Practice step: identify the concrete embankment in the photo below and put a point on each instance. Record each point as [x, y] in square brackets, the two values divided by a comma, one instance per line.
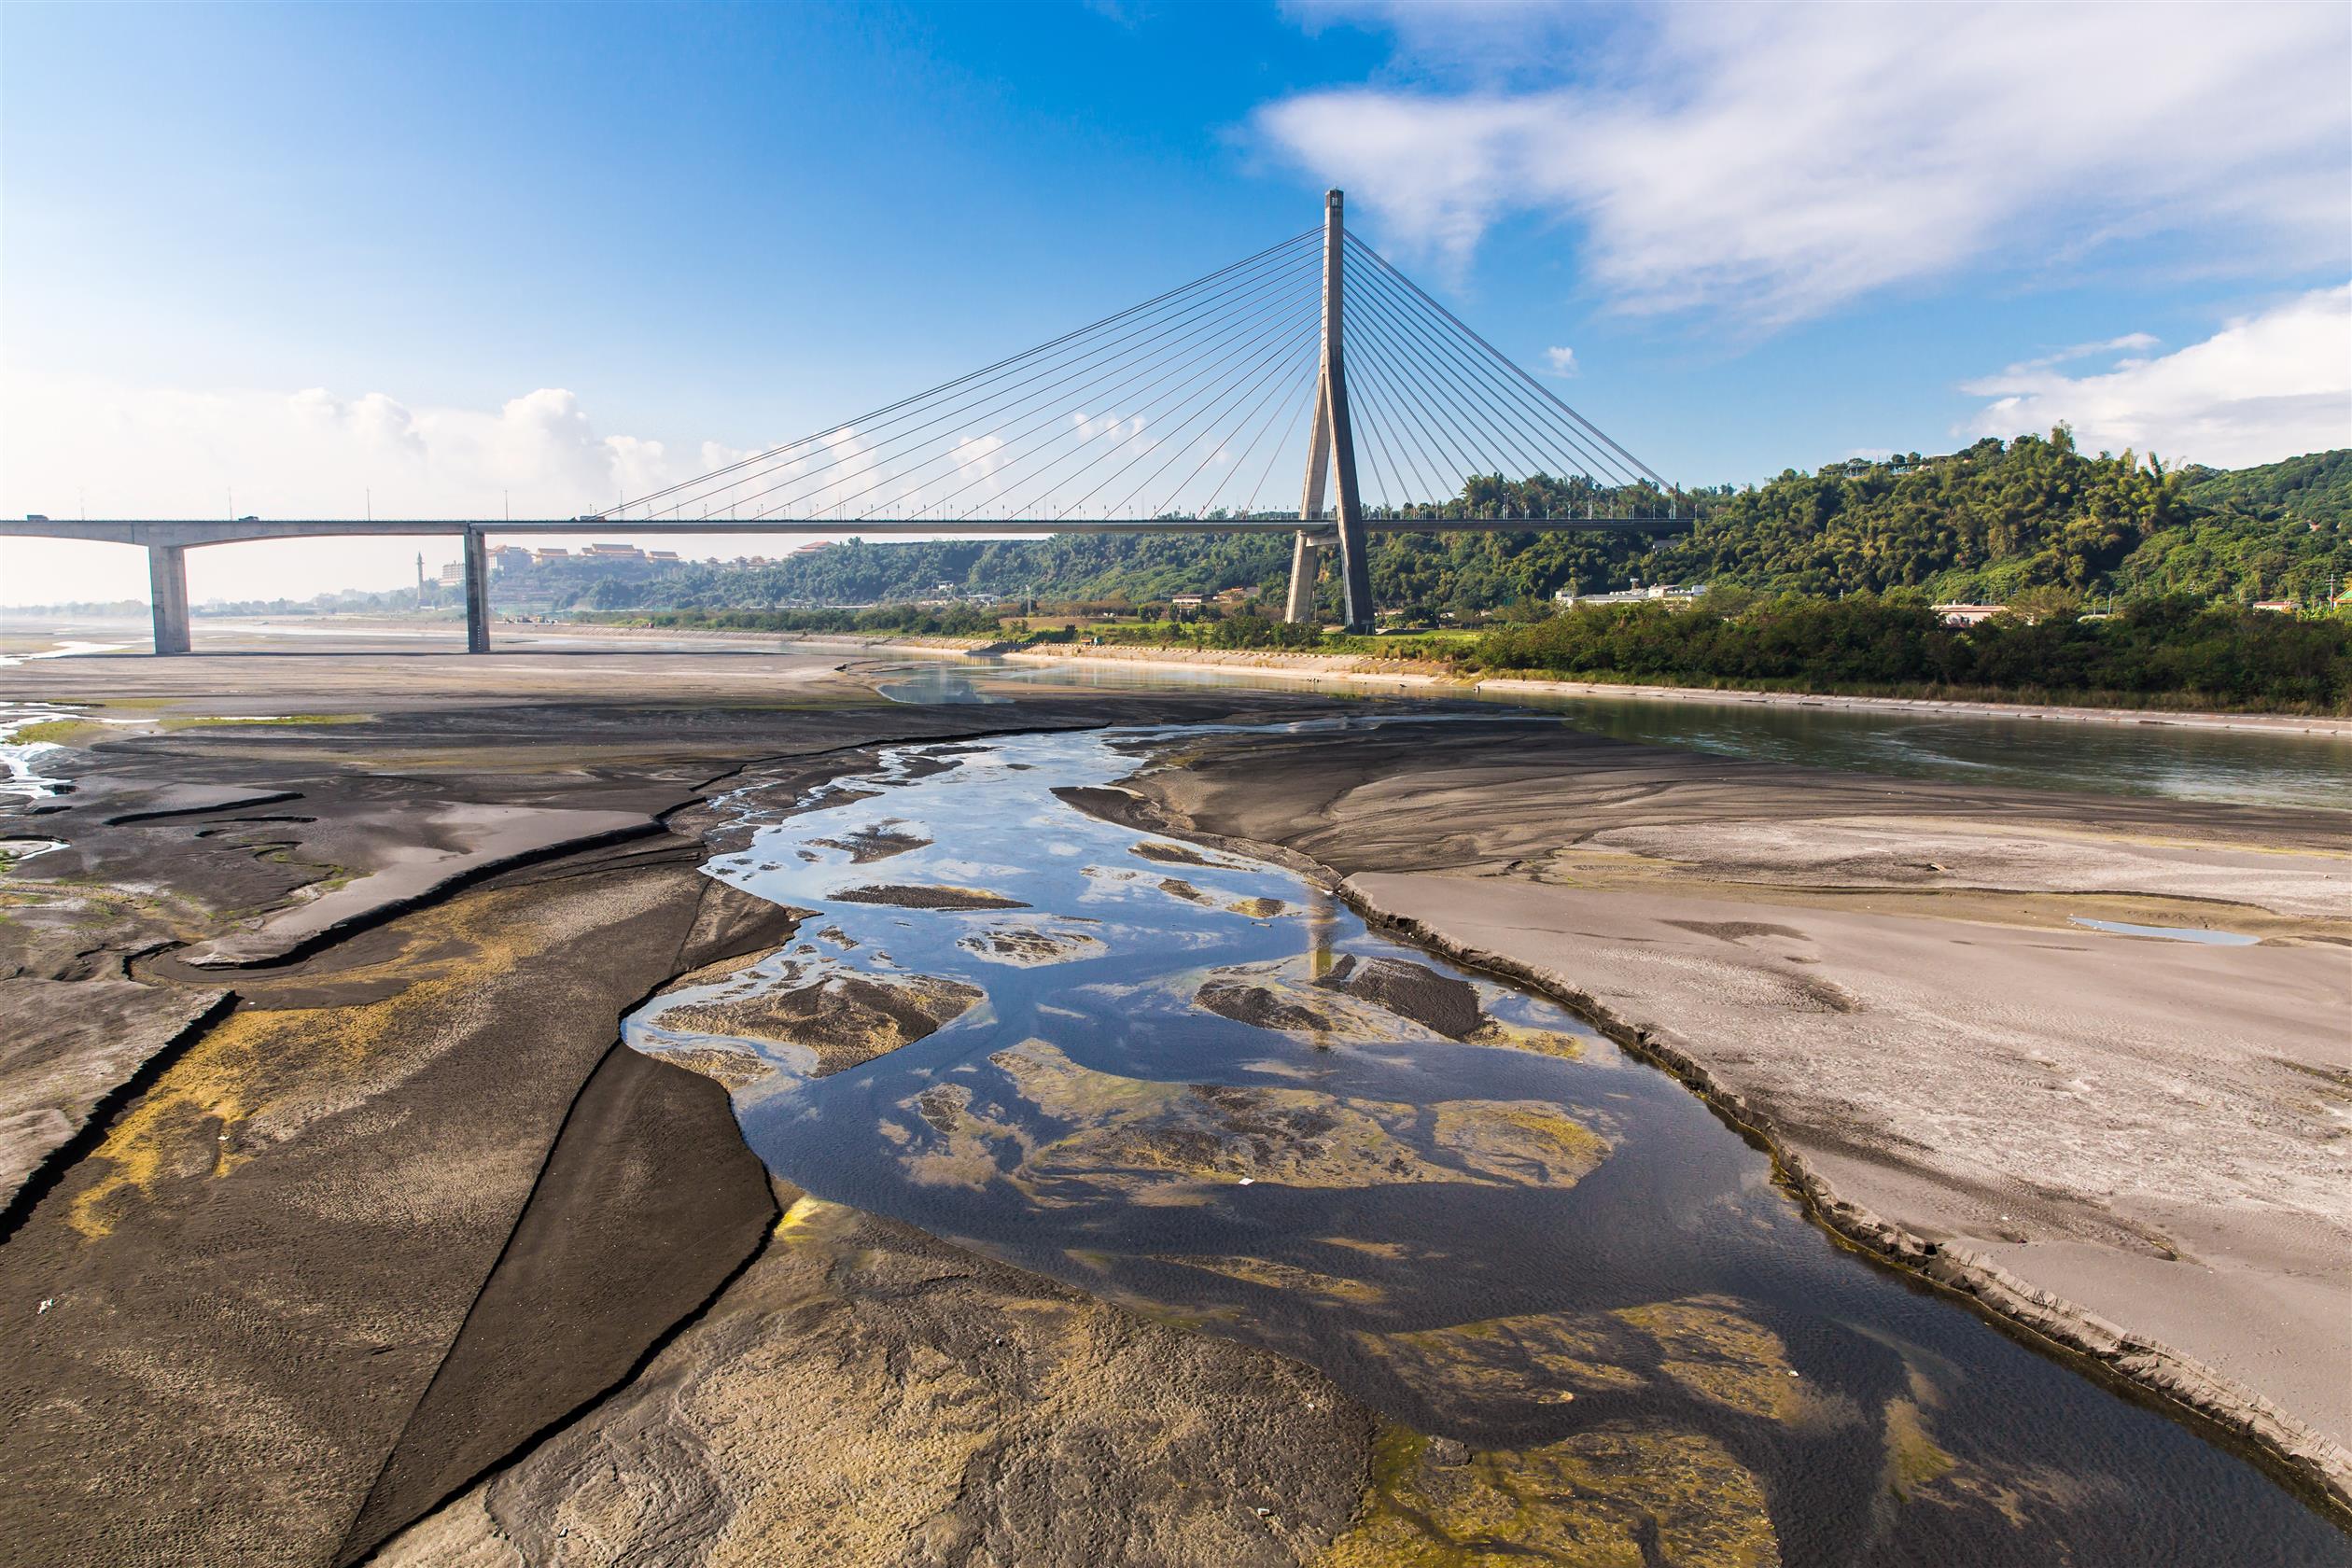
[2128, 1146]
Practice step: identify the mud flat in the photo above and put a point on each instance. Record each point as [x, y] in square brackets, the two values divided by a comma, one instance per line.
[308, 1236]
[2133, 1144]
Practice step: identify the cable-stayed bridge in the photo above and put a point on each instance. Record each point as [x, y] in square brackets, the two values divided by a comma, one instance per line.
[1191, 413]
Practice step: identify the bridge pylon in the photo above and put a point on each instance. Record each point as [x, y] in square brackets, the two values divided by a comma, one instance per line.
[1331, 451]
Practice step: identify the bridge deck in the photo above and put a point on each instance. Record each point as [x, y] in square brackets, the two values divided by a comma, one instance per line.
[167, 540]
[191, 532]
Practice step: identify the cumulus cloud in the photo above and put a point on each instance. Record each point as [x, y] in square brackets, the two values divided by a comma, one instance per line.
[127, 452]
[1560, 362]
[2268, 385]
[77, 444]
[1776, 160]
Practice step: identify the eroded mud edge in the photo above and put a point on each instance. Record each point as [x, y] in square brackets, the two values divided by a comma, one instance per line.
[2311, 1464]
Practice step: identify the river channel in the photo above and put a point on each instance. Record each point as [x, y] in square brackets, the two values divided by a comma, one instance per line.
[1186, 1081]
[2146, 756]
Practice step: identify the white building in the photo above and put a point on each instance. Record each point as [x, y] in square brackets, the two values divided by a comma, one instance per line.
[1636, 595]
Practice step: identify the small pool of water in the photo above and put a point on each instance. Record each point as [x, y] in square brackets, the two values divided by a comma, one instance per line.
[22, 761]
[1189, 1082]
[2171, 933]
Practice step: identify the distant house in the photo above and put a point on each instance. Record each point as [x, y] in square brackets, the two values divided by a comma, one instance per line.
[551, 552]
[614, 552]
[1669, 592]
[661, 554]
[810, 548]
[1967, 614]
[451, 573]
[1188, 601]
[2283, 607]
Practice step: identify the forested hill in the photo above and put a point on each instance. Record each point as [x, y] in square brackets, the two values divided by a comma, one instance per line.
[1984, 524]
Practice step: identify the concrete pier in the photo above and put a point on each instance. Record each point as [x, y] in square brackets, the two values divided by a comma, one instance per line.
[1355, 566]
[1305, 566]
[167, 591]
[1330, 455]
[477, 592]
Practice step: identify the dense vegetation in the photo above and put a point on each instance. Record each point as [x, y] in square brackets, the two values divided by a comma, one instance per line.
[2164, 651]
[1988, 522]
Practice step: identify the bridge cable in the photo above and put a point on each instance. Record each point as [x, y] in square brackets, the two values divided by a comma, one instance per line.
[1428, 473]
[1313, 377]
[1223, 443]
[1245, 351]
[1443, 340]
[1250, 288]
[1179, 336]
[1389, 319]
[1310, 360]
[943, 387]
[1113, 476]
[1222, 334]
[1375, 420]
[1509, 364]
[1442, 432]
[1510, 438]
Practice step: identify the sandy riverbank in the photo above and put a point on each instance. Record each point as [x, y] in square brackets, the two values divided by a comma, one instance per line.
[2136, 1147]
[1363, 672]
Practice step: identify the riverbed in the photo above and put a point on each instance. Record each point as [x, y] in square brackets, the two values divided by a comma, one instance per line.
[1184, 1079]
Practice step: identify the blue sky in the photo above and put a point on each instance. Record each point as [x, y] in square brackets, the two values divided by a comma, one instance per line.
[442, 252]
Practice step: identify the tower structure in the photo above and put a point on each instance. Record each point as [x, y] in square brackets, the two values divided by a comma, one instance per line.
[1331, 454]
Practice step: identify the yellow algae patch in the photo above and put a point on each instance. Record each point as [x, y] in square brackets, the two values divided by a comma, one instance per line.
[1615, 1497]
[732, 1068]
[1276, 1275]
[808, 1219]
[1708, 1347]
[265, 1072]
[1257, 908]
[1210, 1132]
[211, 719]
[1213, 1132]
[1536, 1356]
[1520, 1037]
[1526, 1142]
[968, 1157]
[844, 1019]
[56, 731]
[1062, 1088]
[1914, 1458]
[1032, 946]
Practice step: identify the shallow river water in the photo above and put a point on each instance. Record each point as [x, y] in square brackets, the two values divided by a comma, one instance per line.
[1184, 1079]
[2185, 761]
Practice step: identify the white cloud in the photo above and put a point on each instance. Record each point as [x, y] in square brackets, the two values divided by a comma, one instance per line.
[1775, 161]
[76, 445]
[1560, 362]
[2270, 386]
[125, 451]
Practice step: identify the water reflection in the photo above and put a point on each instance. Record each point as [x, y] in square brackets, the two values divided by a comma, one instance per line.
[1188, 1081]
